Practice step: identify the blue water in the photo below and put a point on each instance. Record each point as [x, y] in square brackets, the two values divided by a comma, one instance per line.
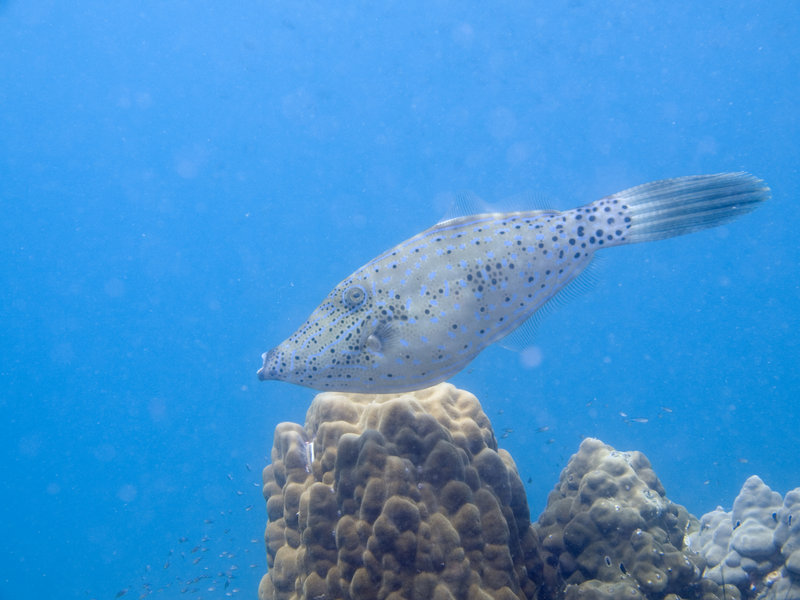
[183, 182]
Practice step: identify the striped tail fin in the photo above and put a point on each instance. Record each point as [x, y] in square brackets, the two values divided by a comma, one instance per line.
[672, 207]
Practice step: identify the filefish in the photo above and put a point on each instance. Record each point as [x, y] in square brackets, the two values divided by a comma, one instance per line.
[421, 311]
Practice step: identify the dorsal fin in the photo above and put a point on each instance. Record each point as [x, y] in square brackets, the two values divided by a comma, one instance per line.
[463, 204]
[526, 201]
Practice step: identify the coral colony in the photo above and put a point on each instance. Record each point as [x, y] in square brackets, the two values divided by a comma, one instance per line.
[409, 496]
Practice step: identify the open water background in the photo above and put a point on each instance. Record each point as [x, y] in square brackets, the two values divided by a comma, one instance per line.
[182, 182]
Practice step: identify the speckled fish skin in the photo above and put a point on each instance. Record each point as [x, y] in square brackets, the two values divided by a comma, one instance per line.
[420, 312]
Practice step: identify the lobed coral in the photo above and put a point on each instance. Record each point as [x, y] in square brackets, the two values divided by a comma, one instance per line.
[408, 496]
[609, 532]
[755, 546]
[403, 496]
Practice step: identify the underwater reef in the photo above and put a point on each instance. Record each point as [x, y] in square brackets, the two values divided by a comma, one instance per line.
[755, 546]
[408, 496]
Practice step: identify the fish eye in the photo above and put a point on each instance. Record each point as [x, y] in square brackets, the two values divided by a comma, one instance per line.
[354, 296]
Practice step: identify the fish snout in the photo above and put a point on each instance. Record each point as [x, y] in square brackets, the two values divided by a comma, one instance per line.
[270, 367]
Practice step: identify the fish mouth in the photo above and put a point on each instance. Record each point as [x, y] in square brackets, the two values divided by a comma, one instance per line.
[269, 368]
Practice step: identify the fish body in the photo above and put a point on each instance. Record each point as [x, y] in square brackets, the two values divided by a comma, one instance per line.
[421, 311]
